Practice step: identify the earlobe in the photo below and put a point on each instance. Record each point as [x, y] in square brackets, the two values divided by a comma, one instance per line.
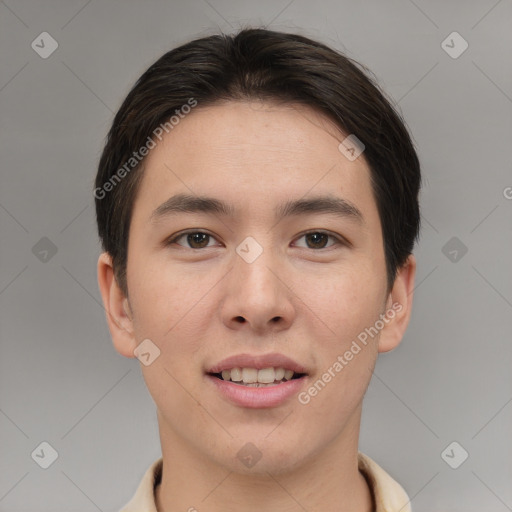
[398, 307]
[117, 307]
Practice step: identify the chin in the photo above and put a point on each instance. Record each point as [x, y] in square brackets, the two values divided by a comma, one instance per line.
[258, 455]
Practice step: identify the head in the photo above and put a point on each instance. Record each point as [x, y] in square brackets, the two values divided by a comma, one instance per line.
[257, 121]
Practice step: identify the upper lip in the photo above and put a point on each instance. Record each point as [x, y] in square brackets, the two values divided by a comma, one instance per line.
[259, 362]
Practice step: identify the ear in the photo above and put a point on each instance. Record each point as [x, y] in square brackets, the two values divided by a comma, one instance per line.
[119, 315]
[398, 306]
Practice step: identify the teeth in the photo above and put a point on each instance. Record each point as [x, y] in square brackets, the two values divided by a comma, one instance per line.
[236, 375]
[253, 376]
[249, 375]
[266, 375]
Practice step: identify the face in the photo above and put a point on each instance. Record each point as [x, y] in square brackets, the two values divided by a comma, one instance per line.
[258, 279]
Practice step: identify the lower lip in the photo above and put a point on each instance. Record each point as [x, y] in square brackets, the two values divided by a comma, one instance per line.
[256, 398]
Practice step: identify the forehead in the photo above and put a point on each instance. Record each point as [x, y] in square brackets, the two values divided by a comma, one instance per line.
[254, 152]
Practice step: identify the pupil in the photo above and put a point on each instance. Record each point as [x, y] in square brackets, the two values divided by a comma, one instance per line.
[315, 235]
[194, 238]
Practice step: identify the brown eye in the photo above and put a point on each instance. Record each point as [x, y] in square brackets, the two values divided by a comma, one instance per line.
[194, 240]
[319, 240]
[198, 240]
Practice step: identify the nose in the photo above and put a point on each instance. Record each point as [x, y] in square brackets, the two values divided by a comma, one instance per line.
[258, 296]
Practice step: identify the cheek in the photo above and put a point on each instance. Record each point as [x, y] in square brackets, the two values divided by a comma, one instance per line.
[334, 395]
[345, 300]
[171, 309]
[347, 307]
[165, 297]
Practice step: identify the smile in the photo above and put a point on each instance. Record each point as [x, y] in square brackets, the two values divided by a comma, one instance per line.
[252, 377]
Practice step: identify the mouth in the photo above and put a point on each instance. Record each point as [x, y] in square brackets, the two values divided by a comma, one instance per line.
[258, 378]
[258, 370]
[259, 386]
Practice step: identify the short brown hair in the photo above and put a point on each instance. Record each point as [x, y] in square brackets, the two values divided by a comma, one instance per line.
[267, 65]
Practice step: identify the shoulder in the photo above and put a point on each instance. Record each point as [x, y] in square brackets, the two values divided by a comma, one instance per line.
[144, 497]
[389, 495]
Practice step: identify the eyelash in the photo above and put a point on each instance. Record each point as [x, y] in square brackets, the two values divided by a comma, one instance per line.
[174, 238]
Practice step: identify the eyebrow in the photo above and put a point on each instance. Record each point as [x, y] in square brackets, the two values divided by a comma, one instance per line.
[184, 203]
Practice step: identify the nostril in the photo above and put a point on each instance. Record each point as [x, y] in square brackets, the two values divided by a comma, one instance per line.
[240, 319]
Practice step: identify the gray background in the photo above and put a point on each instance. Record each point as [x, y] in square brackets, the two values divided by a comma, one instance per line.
[61, 379]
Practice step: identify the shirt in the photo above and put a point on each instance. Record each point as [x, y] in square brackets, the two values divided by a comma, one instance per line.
[388, 494]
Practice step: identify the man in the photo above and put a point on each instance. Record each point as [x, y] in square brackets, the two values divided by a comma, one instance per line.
[257, 201]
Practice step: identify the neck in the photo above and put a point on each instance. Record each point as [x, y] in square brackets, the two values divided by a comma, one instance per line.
[328, 480]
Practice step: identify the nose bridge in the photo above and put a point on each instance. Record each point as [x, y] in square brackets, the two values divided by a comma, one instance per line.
[256, 293]
[253, 263]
